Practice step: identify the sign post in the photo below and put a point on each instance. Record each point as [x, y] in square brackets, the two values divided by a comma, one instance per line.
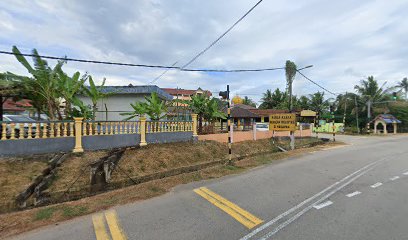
[284, 122]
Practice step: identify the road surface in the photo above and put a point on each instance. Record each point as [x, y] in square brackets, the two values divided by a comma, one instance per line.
[357, 191]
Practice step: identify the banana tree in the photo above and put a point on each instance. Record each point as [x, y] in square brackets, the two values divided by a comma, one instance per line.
[42, 87]
[154, 107]
[95, 93]
[69, 87]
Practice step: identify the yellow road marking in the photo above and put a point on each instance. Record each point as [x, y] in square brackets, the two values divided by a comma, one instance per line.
[239, 214]
[99, 227]
[114, 227]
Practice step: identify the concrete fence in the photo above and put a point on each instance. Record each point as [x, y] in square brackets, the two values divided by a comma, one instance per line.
[239, 136]
[23, 138]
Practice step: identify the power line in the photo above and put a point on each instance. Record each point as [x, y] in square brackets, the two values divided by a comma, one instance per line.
[315, 83]
[172, 67]
[222, 35]
[89, 61]
[161, 75]
[233, 70]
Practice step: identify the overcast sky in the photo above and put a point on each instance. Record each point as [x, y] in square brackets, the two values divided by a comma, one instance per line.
[345, 40]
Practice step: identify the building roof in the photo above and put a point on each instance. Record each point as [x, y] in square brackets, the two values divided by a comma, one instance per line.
[240, 111]
[179, 91]
[130, 89]
[387, 118]
[244, 106]
[267, 112]
[19, 106]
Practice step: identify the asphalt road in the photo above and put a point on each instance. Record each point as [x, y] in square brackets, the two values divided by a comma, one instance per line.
[357, 191]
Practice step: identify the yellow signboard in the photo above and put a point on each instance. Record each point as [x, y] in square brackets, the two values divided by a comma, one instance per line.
[282, 122]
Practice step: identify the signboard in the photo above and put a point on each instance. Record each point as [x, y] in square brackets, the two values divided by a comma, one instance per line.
[282, 122]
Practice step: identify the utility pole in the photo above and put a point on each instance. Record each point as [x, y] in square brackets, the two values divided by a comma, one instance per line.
[368, 115]
[358, 128]
[225, 95]
[344, 115]
[333, 126]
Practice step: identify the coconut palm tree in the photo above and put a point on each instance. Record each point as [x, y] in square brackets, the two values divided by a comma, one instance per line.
[369, 90]
[290, 72]
[273, 100]
[403, 85]
[318, 103]
[248, 101]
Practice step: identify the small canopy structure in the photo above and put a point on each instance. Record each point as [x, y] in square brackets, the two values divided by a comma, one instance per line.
[386, 120]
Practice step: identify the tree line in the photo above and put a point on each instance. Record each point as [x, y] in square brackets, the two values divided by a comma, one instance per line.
[48, 88]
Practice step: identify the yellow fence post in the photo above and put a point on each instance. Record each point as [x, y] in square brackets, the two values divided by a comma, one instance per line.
[143, 131]
[78, 135]
[194, 117]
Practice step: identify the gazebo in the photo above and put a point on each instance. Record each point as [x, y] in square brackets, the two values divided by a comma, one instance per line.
[386, 120]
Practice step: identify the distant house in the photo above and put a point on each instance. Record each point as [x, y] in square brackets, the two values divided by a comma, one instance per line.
[16, 107]
[178, 110]
[120, 98]
[185, 94]
[245, 116]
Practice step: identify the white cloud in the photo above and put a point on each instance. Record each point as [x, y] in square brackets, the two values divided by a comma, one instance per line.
[344, 40]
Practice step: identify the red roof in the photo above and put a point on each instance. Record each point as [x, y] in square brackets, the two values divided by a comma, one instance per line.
[19, 106]
[178, 91]
[267, 112]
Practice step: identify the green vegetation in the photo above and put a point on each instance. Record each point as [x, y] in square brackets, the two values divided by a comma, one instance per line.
[154, 107]
[45, 213]
[206, 108]
[73, 211]
[48, 88]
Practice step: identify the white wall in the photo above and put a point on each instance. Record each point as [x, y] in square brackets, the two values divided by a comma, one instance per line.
[119, 102]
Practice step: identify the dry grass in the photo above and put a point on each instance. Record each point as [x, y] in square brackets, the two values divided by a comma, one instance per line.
[16, 175]
[18, 222]
[74, 166]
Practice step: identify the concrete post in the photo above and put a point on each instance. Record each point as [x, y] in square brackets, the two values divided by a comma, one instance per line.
[78, 135]
[375, 127]
[194, 117]
[395, 127]
[143, 131]
[254, 130]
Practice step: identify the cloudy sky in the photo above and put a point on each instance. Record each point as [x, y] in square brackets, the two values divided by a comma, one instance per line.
[345, 40]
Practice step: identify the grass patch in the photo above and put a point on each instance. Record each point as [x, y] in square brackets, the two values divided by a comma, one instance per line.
[73, 211]
[232, 168]
[264, 159]
[44, 214]
[18, 222]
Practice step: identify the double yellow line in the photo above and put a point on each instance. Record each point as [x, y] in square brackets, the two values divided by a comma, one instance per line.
[113, 224]
[242, 216]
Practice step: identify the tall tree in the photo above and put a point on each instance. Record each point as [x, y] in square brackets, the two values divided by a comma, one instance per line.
[290, 72]
[41, 89]
[303, 102]
[273, 100]
[403, 85]
[318, 103]
[248, 101]
[369, 90]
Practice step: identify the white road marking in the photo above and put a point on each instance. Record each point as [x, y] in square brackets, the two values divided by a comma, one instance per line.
[323, 205]
[306, 209]
[405, 173]
[282, 215]
[394, 178]
[376, 185]
[353, 194]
